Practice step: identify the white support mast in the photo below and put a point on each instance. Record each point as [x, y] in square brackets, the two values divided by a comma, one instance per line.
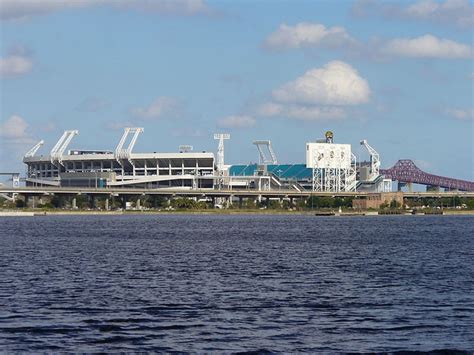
[125, 153]
[220, 150]
[60, 147]
[262, 157]
[33, 150]
[374, 160]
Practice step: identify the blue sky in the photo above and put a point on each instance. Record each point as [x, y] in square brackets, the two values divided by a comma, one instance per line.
[399, 74]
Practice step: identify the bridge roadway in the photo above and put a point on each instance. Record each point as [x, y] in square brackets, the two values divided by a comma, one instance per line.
[406, 171]
[210, 192]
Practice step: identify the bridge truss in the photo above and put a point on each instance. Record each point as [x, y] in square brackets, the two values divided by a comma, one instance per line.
[406, 171]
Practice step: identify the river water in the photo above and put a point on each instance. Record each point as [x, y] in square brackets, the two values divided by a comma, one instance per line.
[214, 283]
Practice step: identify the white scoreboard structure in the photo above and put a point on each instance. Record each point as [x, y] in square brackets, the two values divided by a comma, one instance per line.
[334, 167]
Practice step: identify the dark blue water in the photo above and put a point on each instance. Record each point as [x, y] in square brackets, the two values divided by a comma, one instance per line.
[236, 283]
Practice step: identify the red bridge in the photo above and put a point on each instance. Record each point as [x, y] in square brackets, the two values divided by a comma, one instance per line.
[406, 171]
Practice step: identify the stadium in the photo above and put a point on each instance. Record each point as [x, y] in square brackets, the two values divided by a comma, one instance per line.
[329, 167]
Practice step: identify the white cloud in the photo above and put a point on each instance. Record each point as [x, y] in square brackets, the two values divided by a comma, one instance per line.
[270, 109]
[162, 107]
[313, 35]
[24, 9]
[319, 94]
[14, 130]
[460, 114]
[457, 13]
[236, 122]
[309, 113]
[422, 9]
[48, 126]
[15, 65]
[301, 112]
[308, 35]
[337, 83]
[427, 46]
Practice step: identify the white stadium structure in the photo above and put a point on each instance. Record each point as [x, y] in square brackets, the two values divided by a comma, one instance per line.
[329, 168]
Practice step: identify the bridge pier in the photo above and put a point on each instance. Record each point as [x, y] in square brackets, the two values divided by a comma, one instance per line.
[74, 203]
[27, 199]
[230, 201]
[32, 201]
[93, 201]
[253, 203]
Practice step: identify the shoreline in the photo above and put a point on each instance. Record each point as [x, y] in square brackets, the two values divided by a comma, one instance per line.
[38, 213]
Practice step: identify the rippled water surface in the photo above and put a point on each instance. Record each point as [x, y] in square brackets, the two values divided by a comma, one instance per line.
[236, 283]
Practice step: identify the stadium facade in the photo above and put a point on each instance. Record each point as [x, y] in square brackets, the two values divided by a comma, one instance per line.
[329, 167]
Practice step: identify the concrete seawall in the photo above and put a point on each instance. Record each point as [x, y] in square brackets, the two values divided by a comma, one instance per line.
[16, 214]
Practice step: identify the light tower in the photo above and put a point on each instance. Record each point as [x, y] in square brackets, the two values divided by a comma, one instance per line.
[32, 151]
[125, 153]
[261, 153]
[185, 148]
[374, 160]
[220, 150]
[58, 150]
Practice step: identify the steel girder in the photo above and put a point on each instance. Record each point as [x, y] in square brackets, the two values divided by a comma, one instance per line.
[405, 170]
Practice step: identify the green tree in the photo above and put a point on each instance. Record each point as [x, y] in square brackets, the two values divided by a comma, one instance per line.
[320, 202]
[394, 204]
[20, 203]
[249, 203]
[469, 203]
[81, 201]
[274, 204]
[157, 201]
[57, 201]
[301, 204]
[183, 203]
